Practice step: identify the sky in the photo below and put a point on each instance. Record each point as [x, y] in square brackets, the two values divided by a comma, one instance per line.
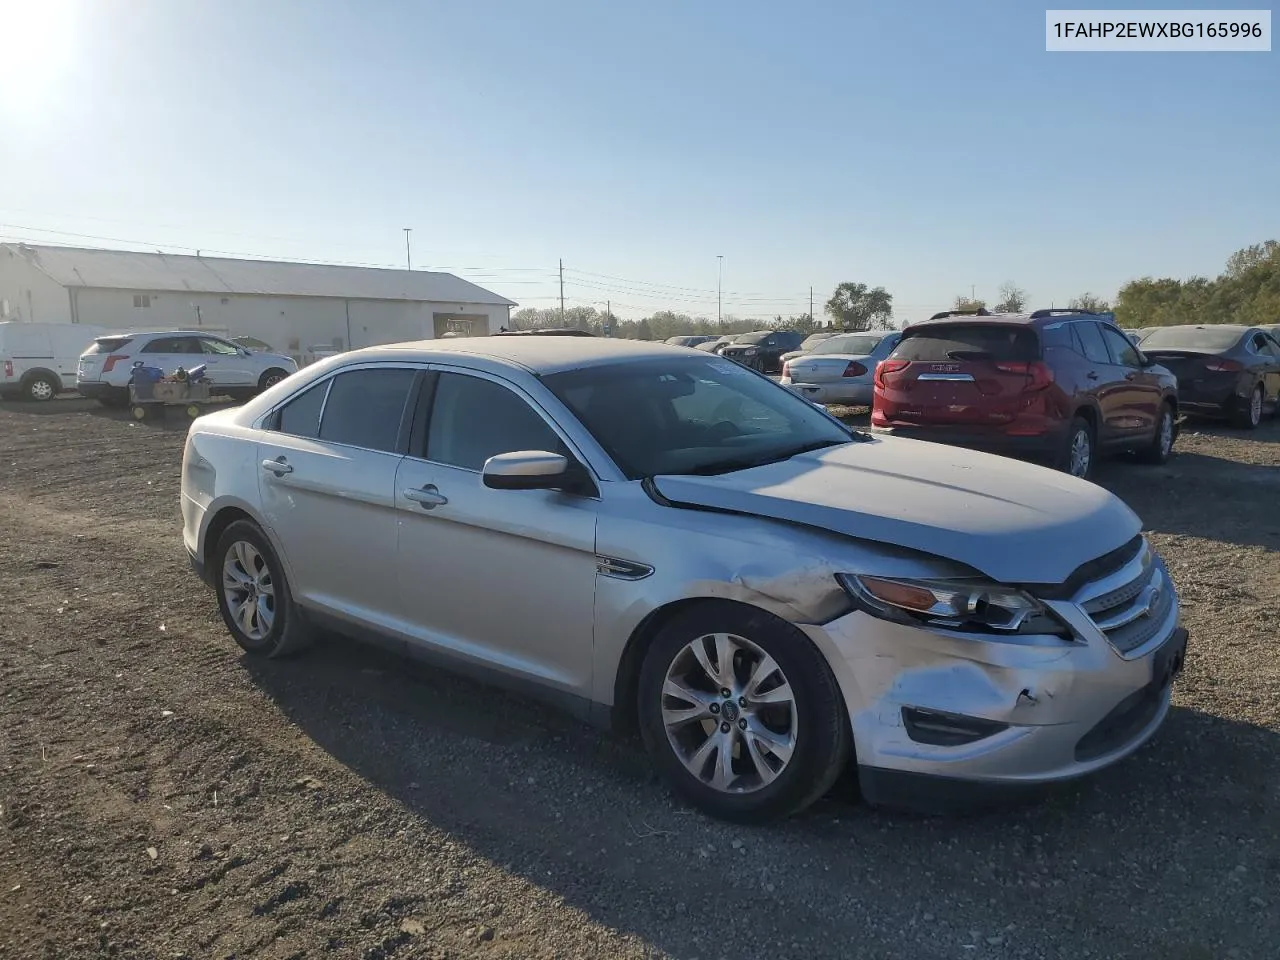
[932, 148]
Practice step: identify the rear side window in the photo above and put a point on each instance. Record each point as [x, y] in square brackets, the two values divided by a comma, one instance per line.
[107, 344]
[173, 345]
[1095, 348]
[963, 342]
[365, 408]
[300, 417]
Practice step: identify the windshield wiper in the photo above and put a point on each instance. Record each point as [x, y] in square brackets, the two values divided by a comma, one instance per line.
[717, 467]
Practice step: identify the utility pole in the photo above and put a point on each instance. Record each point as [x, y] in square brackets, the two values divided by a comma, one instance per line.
[562, 292]
[608, 318]
[973, 292]
[408, 256]
[811, 306]
[719, 287]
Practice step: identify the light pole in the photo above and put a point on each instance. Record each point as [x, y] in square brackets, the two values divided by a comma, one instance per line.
[408, 257]
[719, 287]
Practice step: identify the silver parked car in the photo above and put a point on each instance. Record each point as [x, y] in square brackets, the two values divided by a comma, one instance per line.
[840, 370]
[661, 538]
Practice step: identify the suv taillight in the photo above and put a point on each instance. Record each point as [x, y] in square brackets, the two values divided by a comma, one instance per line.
[8, 369]
[1223, 365]
[112, 360]
[1038, 373]
[887, 368]
[854, 369]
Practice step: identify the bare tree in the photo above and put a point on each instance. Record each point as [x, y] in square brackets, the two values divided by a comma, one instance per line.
[1012, 298]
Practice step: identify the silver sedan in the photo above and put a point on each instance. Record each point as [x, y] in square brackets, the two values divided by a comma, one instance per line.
[668, 541]
[840, 370]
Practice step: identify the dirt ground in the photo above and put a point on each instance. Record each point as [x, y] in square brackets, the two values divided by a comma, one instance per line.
[162, 796]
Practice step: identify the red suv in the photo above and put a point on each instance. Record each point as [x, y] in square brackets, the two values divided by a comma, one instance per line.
[1056, 385]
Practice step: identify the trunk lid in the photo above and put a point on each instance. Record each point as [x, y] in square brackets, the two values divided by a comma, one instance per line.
[1190, 366]
[823, 369]
[976, 374]
[92, 361]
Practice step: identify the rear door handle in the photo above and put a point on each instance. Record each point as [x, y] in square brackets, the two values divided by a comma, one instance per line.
[279, 466]
[428, 497]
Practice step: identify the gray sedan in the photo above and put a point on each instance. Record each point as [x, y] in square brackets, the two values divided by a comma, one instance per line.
[666, 540]
[841, 369]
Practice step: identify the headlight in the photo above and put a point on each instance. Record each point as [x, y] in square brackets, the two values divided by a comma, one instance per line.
[965, 605]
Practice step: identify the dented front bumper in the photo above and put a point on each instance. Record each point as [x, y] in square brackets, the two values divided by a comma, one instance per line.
[944, 719]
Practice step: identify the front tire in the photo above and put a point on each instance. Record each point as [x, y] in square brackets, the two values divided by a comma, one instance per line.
[1160, 448]
[253, 594]
[271, 378]
[741, 714]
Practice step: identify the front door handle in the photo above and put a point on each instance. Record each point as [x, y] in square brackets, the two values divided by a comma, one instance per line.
[279, 466]
[428, 497]
[1092, 374]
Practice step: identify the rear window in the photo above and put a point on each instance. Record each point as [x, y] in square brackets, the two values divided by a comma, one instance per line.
[1201, 339]
[969, 342]
[853, 346]
[107, 344]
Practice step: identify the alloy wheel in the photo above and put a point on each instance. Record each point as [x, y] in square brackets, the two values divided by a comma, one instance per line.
[729, 713]
[1081, 453]
[249, 588]
[41, 390]
[1255, 408]
[1166, 433]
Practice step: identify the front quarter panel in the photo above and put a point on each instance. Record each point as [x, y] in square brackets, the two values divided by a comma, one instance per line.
[701, 555]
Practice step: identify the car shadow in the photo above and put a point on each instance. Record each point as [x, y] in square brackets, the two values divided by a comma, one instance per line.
[579, 812]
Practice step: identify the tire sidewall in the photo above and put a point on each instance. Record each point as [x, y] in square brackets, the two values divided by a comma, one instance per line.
[1158, 453]
[1251, 423]
[818, 746]
[273, 643]
[1078, 424]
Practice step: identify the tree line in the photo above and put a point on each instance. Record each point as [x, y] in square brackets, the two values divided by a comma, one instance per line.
[1247, 291]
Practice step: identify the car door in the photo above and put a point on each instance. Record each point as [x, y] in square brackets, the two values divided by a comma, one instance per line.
[327, 480]
[1142, 393]
[1104, 381]
[226, 363]
[504, 578]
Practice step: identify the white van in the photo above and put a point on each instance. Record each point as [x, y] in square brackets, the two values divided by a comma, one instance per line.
[38, 360]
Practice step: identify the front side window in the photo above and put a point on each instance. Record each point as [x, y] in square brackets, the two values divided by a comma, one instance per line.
[473, 419]
[366, 407]
[691, 416]
[1122, 348]
[219, 347]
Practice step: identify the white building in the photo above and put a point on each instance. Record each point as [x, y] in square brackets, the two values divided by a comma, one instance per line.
[295, 307]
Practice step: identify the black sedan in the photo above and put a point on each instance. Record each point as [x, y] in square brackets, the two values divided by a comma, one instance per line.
[1223, 370]
[763, 349]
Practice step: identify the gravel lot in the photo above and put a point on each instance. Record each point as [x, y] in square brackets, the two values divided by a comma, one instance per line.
[162, 796]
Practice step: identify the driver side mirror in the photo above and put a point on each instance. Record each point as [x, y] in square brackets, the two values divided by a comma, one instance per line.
[536, 470]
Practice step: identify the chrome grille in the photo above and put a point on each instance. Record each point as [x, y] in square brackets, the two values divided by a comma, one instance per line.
[1132, 605]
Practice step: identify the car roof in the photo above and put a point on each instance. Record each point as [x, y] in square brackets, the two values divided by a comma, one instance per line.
[1037, 318]
[160, 333]
[539, 355]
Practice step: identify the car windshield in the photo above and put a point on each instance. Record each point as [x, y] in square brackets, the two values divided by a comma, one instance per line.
[856, 346]
[1206, 339]
[755, 337]
[692, 416]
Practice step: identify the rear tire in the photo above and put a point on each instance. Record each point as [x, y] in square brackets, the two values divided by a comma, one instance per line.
[1250, 416]
[1160, 448]
[253, 595]
[40, 388]
[1080, 451]
[785, 746]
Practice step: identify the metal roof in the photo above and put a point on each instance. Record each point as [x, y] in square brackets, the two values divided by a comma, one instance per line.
[127, 270]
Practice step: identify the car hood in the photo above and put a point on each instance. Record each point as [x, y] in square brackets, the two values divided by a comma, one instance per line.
[1012, 521]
